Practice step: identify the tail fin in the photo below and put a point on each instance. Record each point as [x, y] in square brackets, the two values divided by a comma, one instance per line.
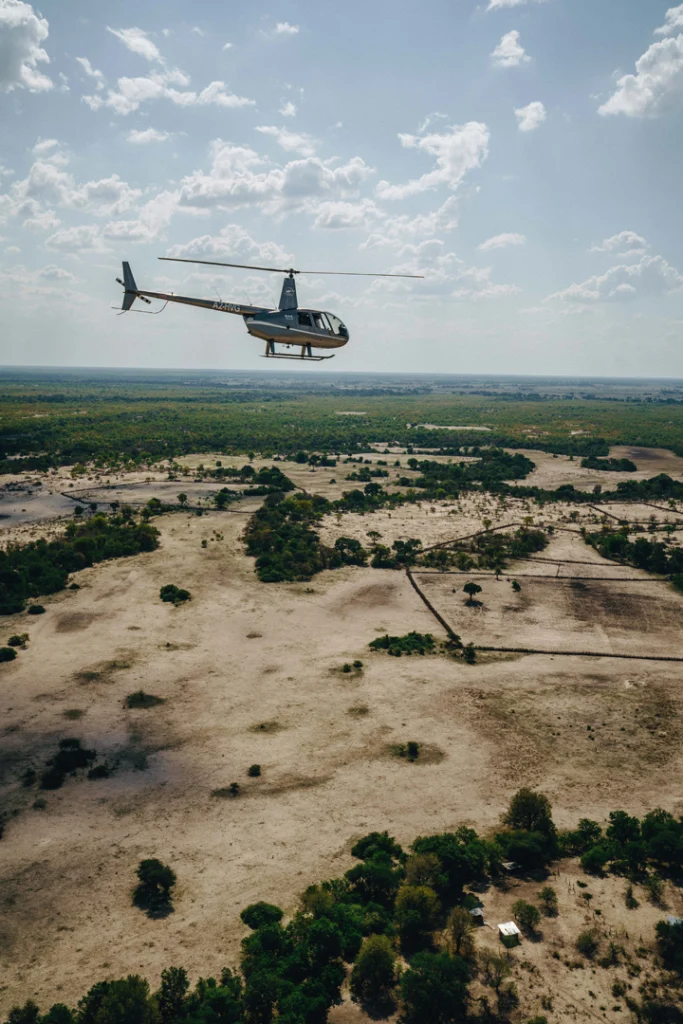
[130, 288]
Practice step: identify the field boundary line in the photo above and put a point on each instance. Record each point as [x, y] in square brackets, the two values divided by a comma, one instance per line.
[440, 619]
[579, 654]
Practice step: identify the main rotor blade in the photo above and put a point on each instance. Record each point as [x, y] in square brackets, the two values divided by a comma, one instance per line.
[214, 263]
[281, 270]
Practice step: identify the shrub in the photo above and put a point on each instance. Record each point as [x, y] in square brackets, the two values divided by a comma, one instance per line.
[100, 771]
[588, 944]
[516, 586]
[256, 915]
[374, 973]
[528, 915]
[154, 890]
[140, 699]
[469, 654]
[35, 609]
[548, 898]
[7, 654]
[234, 789]
[18, 640]
[411, 643]
[254, 771]
[593, 861]
[357, 664]
[412, 750]
[346, 667]
[174, 595]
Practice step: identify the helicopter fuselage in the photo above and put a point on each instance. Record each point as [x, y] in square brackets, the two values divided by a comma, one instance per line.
[298, 327]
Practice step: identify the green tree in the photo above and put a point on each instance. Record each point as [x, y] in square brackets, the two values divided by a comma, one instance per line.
[126, 1001]
[171, 995]
[459, 930]
[154, 890]
[374, 973]
[528, 915]
[26, 1014]
[416, 912]
[530, 811]
[471, 588]
[548, 898]
[182, 498]
[258, 914]
[434, 990]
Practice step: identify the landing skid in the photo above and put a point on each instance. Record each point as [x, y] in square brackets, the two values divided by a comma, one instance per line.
[306, 354]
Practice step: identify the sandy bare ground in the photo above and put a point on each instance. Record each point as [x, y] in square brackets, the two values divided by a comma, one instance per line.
[242, 655]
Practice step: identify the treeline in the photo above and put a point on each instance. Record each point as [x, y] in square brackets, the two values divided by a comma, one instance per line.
[43, 566]
[610, 465]
[658, 488]
[392, 901]
[628, 846]
[651, 555]
[445, 480]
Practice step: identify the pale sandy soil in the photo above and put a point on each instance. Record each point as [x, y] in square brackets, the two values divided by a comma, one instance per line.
[242, 654]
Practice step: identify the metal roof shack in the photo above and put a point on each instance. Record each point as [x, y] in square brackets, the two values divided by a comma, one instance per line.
[509, 933]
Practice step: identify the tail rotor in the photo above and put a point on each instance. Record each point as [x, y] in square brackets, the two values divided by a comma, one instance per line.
[130, 289]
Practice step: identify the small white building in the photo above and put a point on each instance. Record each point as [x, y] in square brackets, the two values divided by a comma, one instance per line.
[509, 933]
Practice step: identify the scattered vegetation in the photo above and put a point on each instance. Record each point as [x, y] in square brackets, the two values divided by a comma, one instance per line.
[254, 771]
[653, 556]
[43, 567]
[390, 900]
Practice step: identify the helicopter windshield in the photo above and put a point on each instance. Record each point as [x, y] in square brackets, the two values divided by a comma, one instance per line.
[337, 325]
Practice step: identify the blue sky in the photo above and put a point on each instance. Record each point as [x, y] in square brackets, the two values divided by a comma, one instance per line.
[524, 155]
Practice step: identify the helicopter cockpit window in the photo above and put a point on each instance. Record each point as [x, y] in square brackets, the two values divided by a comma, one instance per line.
[337, 325]
[320, 322]
[304, 320]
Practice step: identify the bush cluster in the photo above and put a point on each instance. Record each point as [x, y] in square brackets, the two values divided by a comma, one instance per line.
[628, 846]
[653, 556]
[43, 567]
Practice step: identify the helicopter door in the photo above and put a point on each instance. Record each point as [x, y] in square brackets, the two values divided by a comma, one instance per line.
[305, 320]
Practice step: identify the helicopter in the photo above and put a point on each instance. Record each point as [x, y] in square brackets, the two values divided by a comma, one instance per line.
[287, 325]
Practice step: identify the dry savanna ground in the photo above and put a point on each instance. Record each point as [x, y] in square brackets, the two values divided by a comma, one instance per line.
[251, 673]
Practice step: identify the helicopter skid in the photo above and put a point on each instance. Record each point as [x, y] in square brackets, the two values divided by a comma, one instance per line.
[307, 359]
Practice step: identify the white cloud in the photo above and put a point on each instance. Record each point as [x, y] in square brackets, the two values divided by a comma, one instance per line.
[239, 177]
[235, 245]
[283, 28]
[625, 243]
[54, 273]
[21, 33]
[288, 109]
[399, 227]
[502, 242]
[228, 46]
[84, 238]
[673, 22]
[656, 85]
[131, 93]
[291, 142]
[138, 42]
[338, 214]
[151, 219]
[495, 5]
[429, 121]
[49, 184]
[148, 135]
[44, 146]
[510, 53]
[445, 275]
[461, 148]
[92, 72]
[198, 31]
[531, 116]
[652, 276]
